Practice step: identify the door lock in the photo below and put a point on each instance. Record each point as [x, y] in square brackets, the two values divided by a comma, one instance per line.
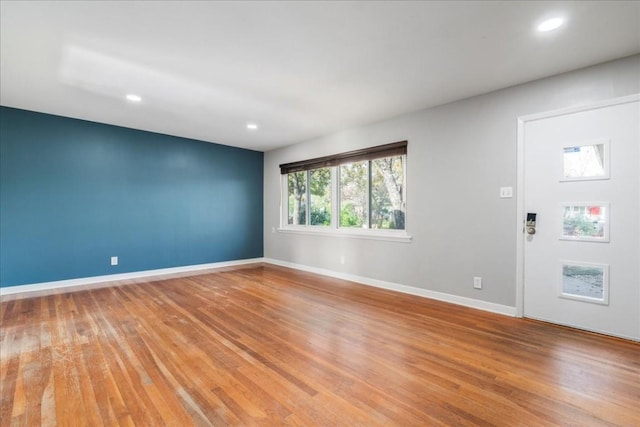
[530, 225]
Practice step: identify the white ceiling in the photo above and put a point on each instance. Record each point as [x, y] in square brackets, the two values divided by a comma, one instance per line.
[298, 69]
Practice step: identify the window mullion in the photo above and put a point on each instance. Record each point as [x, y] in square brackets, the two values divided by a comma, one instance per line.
[307, 212]
[284, 200]
[335, 199]
[369, 194]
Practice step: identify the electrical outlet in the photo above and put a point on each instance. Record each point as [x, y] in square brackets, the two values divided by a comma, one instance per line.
[342, 260]
[477, 282]
[114, 260]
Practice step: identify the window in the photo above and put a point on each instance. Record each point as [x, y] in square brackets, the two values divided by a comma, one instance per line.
[317, 193]
[586, 162]
[372, 194]
[320, 196]
[387, 193]
[359, 191]
[585, 222]
[297, 203]
[585, 281]
[354, 200]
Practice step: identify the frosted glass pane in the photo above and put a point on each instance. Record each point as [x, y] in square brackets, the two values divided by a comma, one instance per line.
[583, 281]
[584, 162]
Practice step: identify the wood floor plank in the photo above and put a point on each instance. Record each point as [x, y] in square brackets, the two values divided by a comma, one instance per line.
[265, 345]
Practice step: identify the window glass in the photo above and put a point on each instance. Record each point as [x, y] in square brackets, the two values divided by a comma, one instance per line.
[359, 189]
[585, 282]
[320, 196]
[585, 162]
[354, 190]
[387, 193]
[297, 198]
[585, 222]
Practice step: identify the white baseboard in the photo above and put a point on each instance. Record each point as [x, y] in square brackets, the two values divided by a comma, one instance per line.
[440, 296]
[597, 331]
[60, 284]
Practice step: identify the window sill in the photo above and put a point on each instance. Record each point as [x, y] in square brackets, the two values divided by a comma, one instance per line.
[389, 236]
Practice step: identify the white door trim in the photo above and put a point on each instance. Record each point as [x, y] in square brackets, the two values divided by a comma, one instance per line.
[520, 196]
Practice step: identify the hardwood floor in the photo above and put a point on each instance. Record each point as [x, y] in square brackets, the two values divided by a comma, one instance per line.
[265, 345]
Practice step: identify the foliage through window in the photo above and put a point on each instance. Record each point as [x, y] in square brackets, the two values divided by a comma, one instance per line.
[354, 210]
[320, 196]
[356, 190]
[297, 198]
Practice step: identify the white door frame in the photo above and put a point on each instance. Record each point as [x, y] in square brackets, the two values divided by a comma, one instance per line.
[520, 198]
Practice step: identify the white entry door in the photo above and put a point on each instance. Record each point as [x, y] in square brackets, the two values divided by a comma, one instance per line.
[582, 182]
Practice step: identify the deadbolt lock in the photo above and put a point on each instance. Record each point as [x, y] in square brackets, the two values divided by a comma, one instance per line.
[530, 224]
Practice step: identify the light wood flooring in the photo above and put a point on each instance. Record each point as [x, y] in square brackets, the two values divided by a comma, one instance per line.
[266, 345]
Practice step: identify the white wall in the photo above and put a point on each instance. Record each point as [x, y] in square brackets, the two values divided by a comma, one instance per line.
[459, 155]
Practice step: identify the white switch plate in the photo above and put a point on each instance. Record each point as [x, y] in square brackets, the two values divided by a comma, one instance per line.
[506, 192]
[477, 282]
[114, 260]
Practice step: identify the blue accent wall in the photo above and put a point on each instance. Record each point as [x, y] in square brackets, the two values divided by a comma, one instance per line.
[74, 193]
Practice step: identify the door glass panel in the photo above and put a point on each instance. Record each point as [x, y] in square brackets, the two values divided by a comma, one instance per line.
[587, 222]
[587, 282]
[585, 162]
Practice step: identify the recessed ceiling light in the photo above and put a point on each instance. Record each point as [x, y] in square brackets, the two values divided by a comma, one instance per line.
[252, 126]
[133, 98]
[550, 24]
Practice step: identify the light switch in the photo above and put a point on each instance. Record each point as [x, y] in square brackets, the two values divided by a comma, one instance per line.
[506, 192]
